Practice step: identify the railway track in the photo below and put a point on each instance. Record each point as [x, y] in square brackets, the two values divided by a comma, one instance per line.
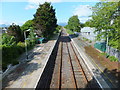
[65, 70]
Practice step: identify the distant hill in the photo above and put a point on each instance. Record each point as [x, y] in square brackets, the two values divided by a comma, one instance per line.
[62, 24]
[4, 25]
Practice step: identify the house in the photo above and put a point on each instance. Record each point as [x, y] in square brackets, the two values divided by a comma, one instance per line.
[88, 32]
[4, 30]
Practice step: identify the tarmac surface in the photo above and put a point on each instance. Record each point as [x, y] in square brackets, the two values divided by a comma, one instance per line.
[27, 74]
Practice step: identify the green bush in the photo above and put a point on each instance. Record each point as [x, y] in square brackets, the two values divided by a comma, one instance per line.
[90, 41]
[57, 30]
[30, 43]
[113, 58]
[9, 55]
[70, 32]
[85, 39]
[8, 40]
[104, 54]
[21, 47]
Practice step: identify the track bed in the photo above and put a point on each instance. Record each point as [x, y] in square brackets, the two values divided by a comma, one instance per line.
[65, 68]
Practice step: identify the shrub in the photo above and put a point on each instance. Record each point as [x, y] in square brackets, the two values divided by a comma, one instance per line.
[9, 55]
[70, 32]
[113, 58]
[85, 39]
[30, 43]
[103, 54]
[90, 41]
[21, 47]
[8, 40]
[57, 29]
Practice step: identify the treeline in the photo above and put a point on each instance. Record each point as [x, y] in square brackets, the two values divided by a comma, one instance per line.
[44, 24]
[106, 19]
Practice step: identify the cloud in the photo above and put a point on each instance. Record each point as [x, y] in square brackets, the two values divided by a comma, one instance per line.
[83, 11]
[37, 2]
[30, 6]
[9, 23]
[84, 19]
[34, 3]
[4, 22]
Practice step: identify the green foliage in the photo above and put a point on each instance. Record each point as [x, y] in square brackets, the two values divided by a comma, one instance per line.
[70, 32]
[8, 40]
[30, 43]
[90, 41]
[103, 13]
[27, 25]
[32, 35]
[88, 23]
[74, 24]
[58, 28]
[113, 58]
[10, 53]
[14, 30]
[21, 47]
[82, 25]
[66, 27]
[45, 21]
[103, 54]
[85, 39]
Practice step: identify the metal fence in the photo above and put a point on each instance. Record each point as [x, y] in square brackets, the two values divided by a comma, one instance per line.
[88, 33]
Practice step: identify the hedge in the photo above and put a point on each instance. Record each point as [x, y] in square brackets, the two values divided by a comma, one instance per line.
[10, 53]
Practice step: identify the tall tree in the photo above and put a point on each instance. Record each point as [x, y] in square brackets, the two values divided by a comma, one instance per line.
[45, 20]
[74, 23]
[103, 14]
[14, 30]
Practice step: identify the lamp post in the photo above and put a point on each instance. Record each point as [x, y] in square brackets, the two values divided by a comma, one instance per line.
[26, 43]
[115, 14]
[107, 51]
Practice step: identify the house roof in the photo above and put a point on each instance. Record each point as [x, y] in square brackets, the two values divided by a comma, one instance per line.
[87, 29]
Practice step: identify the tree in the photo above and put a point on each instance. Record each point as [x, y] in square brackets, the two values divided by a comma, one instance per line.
[88, 23]
[45, 20]
[103, 14]
[74, 23]
[7, 39]
[82, 25]
[14, 30]
[27, 25]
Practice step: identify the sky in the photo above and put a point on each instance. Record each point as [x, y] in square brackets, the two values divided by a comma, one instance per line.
[19, 11]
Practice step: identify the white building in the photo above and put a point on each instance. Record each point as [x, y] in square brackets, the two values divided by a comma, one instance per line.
[4, 30]
[88, 32]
